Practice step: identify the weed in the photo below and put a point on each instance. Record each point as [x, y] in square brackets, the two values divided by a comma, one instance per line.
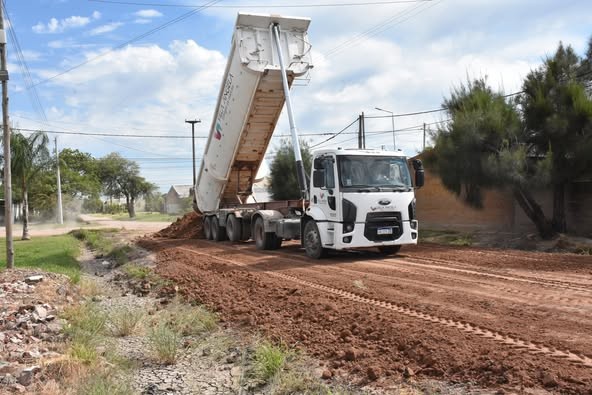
[585, 251]
[268, 360]
[165, 342]
[137, 271]
[287, 383]
[89, 288]
[189, 320]
[120, 254]
[124, 321]
[86, 318]
[84, 350]
[359, 284]
[104, 383]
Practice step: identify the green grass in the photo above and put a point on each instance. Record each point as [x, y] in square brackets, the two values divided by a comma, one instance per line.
[137, 271]
[268, 360]
[53, 254]
[95, 240]
[146, 217]
[189, 320]
[165, 342]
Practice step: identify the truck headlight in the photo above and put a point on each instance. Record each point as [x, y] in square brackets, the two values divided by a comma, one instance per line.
[348, 227]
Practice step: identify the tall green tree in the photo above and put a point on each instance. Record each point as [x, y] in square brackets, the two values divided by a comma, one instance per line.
[283, 176]
[79, 174]
[557, 114]
[29, 156]
[121, 177]
[482, 147]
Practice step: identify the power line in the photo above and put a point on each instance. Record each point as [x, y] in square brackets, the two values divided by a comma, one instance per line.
[381, 27]
[264, 6]
[28, 79]
[336, 134]
[141, 36]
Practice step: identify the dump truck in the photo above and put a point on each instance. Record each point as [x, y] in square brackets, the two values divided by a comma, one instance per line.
[352, 199]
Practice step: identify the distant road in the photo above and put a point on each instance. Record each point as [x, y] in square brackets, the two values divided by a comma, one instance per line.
[92, 221]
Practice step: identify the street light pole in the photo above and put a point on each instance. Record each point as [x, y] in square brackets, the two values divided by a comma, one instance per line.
[193, 122]
[393, 125]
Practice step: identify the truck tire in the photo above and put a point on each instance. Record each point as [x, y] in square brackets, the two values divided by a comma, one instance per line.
[264, 240]
[218, 232]
[312, 241]
[207, 228]
[233, 228]
[389, 250]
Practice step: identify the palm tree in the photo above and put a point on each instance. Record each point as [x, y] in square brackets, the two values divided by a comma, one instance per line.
[29, 156]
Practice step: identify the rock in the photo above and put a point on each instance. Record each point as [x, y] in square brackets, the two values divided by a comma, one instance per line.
[326, 374]
[17, 388]
[40, 313]
[106, 264]
[27, 374]
[548, 380]
[206, 352]
[374, 372]
[408, 372]
[351, 354]
[34, 354]
[7, 368]
[34, 279]
[8, 379]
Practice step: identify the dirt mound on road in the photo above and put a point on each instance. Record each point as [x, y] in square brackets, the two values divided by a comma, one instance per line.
[187, 227]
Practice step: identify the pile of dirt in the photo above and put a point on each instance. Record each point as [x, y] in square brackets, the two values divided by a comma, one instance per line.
[187, 227]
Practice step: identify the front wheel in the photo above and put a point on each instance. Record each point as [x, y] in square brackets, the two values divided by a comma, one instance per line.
[389, 250]
[312, 241]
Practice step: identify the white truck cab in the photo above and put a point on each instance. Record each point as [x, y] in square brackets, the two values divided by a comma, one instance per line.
[360, 198]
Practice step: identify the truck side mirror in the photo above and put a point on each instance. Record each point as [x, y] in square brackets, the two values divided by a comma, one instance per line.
[318, 178]
[318, 163]
[419, 173]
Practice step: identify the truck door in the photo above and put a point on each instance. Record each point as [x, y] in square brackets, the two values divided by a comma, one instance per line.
[324, 193]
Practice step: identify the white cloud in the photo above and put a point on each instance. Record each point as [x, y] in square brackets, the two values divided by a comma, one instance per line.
[59, 26]
[96, 15]
[141, 21]
[148, 14]
[32, 56]
[105, 28]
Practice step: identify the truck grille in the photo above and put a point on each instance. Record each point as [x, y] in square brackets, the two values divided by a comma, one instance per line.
[383, 221]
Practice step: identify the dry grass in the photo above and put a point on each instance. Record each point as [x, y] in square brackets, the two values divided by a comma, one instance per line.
[165, 343]
[89, 288]
[123, 322]
[189, 320]
[268, 360]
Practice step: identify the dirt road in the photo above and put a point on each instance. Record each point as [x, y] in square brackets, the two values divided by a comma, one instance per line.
[501, 319]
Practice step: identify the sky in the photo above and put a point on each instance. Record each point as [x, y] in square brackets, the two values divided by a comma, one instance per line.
[143, 67]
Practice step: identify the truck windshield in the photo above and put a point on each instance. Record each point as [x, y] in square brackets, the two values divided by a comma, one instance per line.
[374, 172]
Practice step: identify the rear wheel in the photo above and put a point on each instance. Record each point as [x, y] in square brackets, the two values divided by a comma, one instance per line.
[389, 250]
[264, 240]
[312, 241]
[233, 228]
[207, 228]
[218, 232]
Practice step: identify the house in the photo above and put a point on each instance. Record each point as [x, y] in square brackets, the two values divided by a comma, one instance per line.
[175, 199]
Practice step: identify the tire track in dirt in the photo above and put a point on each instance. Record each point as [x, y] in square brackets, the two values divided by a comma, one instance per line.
[534, 348]
[577, 303]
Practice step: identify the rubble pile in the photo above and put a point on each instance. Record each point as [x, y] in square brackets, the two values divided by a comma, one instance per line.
[30, 330]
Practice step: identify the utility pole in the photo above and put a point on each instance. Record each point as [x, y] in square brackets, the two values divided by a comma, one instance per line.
[360, 146]
[424, 135]
[60, 212]
[193, 122]
[6, 130]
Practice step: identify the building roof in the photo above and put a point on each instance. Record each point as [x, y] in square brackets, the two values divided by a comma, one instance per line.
[181, 190]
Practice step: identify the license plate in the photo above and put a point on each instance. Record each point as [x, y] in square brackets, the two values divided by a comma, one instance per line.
[384, 231]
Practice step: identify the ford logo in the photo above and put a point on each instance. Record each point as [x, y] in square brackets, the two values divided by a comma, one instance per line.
[384, 202]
